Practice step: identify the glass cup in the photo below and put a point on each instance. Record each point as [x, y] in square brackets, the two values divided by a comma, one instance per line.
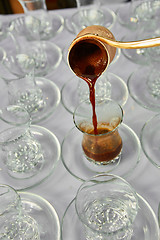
[31, 5]
[105, 146]
[24, 92]
[107, 207]
[20, 151]
[14, 222]
[37, 8]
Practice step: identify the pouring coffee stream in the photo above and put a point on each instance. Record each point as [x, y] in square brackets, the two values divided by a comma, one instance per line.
[93, 50]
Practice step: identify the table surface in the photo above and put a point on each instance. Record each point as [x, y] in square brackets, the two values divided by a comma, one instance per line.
[61, 187]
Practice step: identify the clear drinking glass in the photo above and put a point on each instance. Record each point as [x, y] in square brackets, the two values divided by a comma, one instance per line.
[135, 12]
[38, 7]
[150, 137]
[20, 152]
[50, 23]
[106, 206]
[106, 145]
[89, 12]
[15, 223]
[31, 5]
[25, 93]
[20, 56]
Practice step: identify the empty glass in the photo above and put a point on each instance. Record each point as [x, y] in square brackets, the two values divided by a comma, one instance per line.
[146, 18]
[107, 207]
[89, 12]
[150, 137]
[50, 24]
[135, 12]
[25, 93]
[39, 96]
[20, 151]
[15, 223]
[105, 146]
[18, 56]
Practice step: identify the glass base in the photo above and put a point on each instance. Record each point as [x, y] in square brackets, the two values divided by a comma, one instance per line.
[150, 140]
[108, 86]
[19, 26]
[42, 56]
[83, 18]
[41, 109]
[51, 97]
[114, 161]
[78, 166]
[51, 151]
[46, 62]
[26, 159]
[144, 227]
[145, 88]
[43, 213]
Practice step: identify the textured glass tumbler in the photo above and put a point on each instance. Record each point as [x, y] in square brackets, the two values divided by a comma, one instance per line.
[38, 9]
[105, 146]
[20, 151]
[24, 92]
[15, 224]
[106, 206]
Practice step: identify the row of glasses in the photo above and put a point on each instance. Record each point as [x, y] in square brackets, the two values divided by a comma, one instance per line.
[105, 207]
[38, 95]
[29, 153]
[22, 67]
[139, 17]
[26, 55]
[144, 83]
[92, 215]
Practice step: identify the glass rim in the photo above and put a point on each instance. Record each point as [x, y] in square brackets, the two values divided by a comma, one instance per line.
[21, 135]
[97, 42]
[88, 9]
[27, 117]
[16, 194]
[142, 132]
[99, 182]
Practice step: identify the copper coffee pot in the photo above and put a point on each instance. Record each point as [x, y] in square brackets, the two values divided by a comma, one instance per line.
[95, 47]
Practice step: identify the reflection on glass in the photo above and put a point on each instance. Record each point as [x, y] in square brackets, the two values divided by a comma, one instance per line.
[107, 207]
[20, 152]
[105, 146]
[15, 223]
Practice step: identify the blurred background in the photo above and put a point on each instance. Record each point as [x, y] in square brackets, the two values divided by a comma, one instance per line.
[13, 6]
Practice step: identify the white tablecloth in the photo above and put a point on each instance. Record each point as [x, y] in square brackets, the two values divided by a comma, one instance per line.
[61, 187]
